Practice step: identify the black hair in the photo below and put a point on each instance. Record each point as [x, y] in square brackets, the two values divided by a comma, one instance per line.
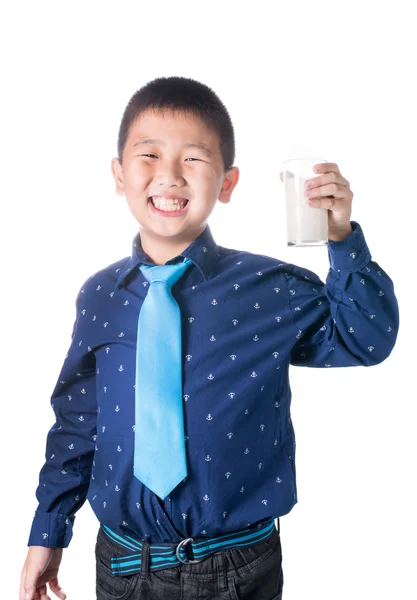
[186, 96]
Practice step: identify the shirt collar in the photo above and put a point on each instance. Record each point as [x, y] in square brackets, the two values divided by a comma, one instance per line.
[203, 252]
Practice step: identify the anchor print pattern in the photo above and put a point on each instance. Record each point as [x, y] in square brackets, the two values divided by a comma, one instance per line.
[245, 319]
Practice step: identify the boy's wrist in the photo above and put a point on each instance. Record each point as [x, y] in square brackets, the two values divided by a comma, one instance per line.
[339, 236]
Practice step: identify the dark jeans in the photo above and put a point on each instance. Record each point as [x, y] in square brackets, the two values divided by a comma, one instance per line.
[240, 573]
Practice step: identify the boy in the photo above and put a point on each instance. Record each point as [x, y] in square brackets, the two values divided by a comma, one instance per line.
[173, 403]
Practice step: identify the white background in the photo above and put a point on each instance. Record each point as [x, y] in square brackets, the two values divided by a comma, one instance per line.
[327, 79]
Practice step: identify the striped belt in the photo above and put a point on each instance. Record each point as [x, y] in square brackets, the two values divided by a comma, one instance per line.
[164, 556]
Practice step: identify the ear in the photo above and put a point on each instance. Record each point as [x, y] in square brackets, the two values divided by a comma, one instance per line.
[117, 171]
[229, 184]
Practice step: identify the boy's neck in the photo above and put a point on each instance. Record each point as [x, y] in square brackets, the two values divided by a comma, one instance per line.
[161, 250]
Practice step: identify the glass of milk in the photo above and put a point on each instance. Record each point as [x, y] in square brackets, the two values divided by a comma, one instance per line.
[306, 225]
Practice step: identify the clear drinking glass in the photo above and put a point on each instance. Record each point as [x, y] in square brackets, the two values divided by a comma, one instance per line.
[306, 225]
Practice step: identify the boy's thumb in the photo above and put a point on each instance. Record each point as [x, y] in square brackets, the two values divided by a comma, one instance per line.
[30, 585]
[29, 593]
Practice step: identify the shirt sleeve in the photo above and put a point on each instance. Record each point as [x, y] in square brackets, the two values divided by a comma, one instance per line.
[352, 319]
[65, 476]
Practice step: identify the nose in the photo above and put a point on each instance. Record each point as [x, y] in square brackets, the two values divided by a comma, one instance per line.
[169, 173]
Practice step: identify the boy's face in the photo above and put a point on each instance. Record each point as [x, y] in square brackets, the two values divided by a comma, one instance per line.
[169, 167]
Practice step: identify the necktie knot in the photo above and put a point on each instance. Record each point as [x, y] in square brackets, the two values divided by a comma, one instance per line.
[168, 274]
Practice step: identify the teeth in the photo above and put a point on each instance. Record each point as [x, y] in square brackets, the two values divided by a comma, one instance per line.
[168, 204]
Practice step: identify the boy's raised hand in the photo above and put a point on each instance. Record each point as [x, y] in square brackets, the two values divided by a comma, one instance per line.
[41, 567]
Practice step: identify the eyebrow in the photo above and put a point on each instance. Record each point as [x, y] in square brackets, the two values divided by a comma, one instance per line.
[154, 141]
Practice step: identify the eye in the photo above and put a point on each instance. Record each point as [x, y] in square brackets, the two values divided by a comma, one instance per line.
[155, 155]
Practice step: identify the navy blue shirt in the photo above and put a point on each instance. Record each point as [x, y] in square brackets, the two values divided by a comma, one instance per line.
[245, 319]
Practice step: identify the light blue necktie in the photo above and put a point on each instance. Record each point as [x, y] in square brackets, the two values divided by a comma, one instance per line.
[159, 459]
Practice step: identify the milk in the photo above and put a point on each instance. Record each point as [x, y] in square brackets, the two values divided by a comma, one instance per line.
[306, 225]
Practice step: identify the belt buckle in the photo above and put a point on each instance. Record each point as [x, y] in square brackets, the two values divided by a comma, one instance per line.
[182, 543]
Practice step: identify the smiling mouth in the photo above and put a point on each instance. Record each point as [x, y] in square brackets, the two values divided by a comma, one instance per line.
[171, 209]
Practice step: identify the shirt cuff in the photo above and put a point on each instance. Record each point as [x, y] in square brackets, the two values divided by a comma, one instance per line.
[350, 254]
[51, 530]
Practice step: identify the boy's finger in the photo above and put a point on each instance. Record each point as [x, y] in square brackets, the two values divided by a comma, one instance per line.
[57, 589]
[43, 593]
[45, 596]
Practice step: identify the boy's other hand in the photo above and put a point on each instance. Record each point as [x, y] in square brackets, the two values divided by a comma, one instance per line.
[41, 567]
